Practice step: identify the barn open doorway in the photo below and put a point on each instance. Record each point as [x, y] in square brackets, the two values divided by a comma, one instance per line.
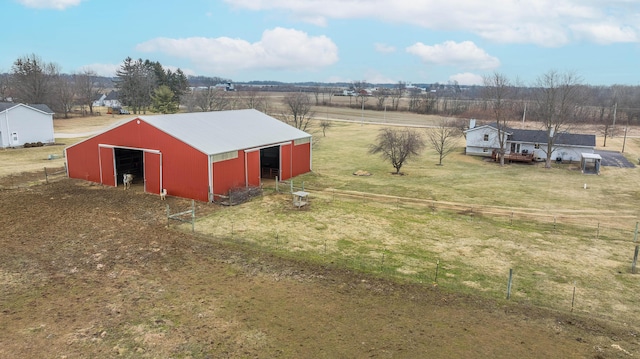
[270, 162]
[129, 161]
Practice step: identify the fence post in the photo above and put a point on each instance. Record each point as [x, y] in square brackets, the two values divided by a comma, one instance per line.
[46, 180]
[635, 260]
[635, 235]
[509, 283]
[277, 184]
[193, 216]
[573, 298]
[437, 267]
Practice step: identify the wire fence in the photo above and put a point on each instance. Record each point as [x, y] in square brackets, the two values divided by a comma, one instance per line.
[403, 264]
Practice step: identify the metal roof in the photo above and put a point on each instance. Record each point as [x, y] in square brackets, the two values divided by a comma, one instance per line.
[541, 136]
[223, 131]
[40, 107]
[564, 138]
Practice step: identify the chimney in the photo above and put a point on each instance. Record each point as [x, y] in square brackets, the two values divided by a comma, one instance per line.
[472, 123]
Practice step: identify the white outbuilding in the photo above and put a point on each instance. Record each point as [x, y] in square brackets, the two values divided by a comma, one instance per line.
[21, 124]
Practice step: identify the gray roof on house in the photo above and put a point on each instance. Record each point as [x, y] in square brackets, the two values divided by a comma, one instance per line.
[41, 107]
[224, 131]
[113, 95]
[540, 136]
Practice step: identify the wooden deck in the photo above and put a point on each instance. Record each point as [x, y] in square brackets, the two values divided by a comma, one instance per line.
[515, 157]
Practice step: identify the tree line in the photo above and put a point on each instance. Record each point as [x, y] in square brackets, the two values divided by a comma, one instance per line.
[141, 85]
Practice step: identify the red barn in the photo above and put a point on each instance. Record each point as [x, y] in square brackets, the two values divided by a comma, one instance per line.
[193, 155]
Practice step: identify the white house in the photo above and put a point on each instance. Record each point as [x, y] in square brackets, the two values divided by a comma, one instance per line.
[483, 140]
[20, 124]
[99, 101]
[111, 100]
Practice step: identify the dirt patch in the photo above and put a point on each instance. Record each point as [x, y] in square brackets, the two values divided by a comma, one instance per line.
[92, 271]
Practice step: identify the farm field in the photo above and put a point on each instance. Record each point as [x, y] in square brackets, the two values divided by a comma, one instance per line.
[96, 272]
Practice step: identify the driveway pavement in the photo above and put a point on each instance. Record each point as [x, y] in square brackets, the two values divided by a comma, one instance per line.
[614, 159]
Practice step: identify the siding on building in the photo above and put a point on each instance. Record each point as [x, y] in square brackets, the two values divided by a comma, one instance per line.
[183, 167]
[20, 124]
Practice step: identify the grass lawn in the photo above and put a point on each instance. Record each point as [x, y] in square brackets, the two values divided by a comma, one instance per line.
[470, 218]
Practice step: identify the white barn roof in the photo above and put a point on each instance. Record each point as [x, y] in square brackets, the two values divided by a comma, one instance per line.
[223, 131]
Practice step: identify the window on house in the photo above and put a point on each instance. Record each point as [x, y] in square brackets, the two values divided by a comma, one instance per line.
[485, 150]
[486, 137]
[536, 146]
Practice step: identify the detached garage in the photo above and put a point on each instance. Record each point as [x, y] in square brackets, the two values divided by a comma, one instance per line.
[193, 155]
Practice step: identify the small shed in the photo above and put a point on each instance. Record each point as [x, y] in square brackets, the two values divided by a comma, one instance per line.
[590, 163]
[23, 124]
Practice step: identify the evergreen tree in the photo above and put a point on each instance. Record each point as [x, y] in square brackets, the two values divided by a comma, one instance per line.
[164, 100]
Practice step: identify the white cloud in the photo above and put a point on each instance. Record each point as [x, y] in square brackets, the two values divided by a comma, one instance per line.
[107, 70]
[278, 49]
[374, 77]
[384, 48]
[466, 78]
[50, 4]
[541, 22]
[450, 53]
[606, 33]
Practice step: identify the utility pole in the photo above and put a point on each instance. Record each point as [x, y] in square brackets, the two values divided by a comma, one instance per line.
[615, 110]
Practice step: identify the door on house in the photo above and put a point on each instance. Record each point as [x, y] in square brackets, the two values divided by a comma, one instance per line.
[515, 148]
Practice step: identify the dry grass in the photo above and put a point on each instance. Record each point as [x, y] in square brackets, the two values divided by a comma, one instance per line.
[475, 217]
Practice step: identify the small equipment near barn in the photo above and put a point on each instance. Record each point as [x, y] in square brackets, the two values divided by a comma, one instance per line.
[300, 199]
[199, 155]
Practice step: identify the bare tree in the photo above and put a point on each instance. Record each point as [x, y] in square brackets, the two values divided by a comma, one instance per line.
[496, 92]
[317, 91]
[397, 93]
[397, 146]
[298, 107]
[415, 100]
[87, 89]
[32, 79]
[556, 95]
[325, 125]
[64, 95]
[207, 99]
[381, 95]
[330, 93]
[362, 94]
[443, 138]
[4, 86]
[253, 98]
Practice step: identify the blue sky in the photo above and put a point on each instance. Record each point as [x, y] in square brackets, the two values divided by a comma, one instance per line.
[378, 41]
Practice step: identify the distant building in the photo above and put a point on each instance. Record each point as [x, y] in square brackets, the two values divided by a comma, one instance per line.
[112, 100]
